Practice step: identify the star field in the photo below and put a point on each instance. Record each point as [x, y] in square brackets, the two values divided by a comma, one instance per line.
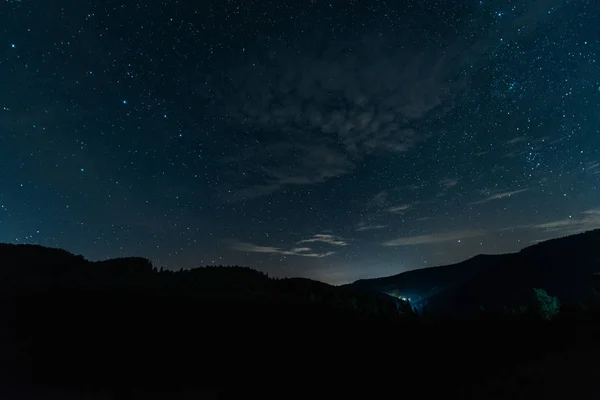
[334, 140]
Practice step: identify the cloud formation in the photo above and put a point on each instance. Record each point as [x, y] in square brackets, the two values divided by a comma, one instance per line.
[276, 165]
[588, 220]
[448, 183]
[593, 168]
[364, 228]
[298, 251]
[498, 196]
[330, 104]
[517, 139]
[327, 110]
[399, 209]
[324, 238]
[379, 200]
[434, 238]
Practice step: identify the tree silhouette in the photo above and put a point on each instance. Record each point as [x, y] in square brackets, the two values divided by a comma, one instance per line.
[544, 306]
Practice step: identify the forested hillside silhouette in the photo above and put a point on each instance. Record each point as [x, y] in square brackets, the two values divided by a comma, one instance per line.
[66, 319]
[29, 270]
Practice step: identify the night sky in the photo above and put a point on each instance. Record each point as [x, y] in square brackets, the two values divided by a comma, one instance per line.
[334, 140]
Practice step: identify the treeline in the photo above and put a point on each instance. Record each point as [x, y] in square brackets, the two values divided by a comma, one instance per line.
[27, 270]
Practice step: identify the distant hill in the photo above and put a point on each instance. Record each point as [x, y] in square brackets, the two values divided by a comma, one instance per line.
[32, 269]
[563, 267]
[422, 284]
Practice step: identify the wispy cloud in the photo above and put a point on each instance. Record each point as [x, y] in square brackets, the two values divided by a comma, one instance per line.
[415, 186]
[325, 238]
[369, 228]
[424, 218]
[298, 251]
[593, 168]
[434, 238]
[514, 228]
[588, 220]
[537, 241]
[379, 200]
[517, 139]
[515, 153]
[499, 196]
[584, 221]
[399, 209]
[448, 183]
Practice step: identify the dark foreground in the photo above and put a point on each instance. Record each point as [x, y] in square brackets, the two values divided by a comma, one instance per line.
[111, 345]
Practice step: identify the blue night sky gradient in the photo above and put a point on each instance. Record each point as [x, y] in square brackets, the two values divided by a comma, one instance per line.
[334, 140]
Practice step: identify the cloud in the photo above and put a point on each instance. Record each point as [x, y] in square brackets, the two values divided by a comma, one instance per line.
[369, 227]
[515, 153]
[298, 251]
[424, 218]
[276, 165]
[318, 108]
[434, 238]
[379, 200]
[324, 238]
[523, 145]
[514, 228]
[301, 249]
[324, 112]
[399, 209]
[517, 139]
[499, 196]
[588, 220]
[415, 187]
[593, 168]
[448, 183]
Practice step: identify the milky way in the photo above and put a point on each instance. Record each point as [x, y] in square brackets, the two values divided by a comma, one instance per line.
[334, 140]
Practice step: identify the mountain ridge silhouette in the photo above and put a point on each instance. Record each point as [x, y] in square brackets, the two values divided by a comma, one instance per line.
[561, 266]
